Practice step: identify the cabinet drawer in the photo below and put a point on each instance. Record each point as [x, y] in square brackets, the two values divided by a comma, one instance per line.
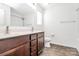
[33, 42]
[33, 36]
[40, 34]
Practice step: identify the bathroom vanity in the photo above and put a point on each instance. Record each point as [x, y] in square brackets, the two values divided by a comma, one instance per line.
[27, 44]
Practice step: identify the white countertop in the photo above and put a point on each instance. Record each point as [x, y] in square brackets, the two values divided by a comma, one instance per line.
[14, 34]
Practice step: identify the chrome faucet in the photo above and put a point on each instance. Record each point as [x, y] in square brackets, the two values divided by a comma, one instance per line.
[7, 29]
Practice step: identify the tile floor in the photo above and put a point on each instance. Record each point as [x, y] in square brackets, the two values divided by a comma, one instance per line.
[58, 50]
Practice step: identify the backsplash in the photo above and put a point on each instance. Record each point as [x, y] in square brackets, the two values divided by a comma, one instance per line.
[18, 29]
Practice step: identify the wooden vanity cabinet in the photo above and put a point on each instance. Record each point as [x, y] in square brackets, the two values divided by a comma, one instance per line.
[24, 45]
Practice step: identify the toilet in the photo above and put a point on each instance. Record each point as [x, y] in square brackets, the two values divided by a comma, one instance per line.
[47, 41]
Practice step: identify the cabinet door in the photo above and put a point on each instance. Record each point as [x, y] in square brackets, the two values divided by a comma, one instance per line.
[11, 43]
[23, 50]
[40, 42]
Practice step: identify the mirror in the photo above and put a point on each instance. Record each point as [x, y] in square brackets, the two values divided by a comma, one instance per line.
[18, 14]
[21, 15]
